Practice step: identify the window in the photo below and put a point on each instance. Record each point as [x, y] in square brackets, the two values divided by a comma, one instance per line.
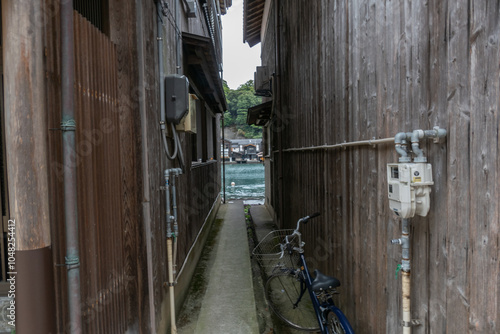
[204, 141]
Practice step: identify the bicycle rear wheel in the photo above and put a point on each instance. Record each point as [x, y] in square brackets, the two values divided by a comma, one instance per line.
[282, 293]
[338, 323]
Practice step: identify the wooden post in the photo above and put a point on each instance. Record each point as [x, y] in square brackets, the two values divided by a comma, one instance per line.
[27, 172]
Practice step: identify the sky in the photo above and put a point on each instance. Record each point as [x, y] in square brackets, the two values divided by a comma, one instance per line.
[239, 60]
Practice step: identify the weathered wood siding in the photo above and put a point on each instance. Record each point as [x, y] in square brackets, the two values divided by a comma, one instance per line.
[115, 282]
[354, 70]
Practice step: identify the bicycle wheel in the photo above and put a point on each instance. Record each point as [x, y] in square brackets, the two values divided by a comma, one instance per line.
[338, 324]
[282, 292]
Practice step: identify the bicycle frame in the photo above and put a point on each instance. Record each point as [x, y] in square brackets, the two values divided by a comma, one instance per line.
[321, 309]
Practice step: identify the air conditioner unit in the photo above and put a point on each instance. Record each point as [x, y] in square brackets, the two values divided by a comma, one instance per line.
[188, 122]
[262, 81]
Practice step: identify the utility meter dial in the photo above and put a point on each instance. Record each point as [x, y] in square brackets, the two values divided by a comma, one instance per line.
[409, 188]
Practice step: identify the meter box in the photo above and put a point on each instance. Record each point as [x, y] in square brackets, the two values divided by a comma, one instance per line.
[176, 97]
[409, 188]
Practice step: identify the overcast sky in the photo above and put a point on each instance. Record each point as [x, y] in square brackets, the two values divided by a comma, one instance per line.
[239, 60]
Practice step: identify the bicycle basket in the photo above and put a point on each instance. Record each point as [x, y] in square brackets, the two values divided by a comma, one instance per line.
[268, 252]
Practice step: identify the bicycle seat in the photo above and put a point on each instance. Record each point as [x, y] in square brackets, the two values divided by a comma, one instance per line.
[323, 282]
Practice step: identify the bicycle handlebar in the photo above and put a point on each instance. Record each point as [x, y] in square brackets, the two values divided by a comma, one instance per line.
[297, 233]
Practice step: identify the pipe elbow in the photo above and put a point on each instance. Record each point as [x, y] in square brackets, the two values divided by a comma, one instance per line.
[400, 137]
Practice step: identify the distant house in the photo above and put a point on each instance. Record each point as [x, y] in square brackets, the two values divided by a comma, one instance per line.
[246, 149]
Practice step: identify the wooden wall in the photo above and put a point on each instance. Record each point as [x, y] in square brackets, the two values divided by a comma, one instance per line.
[355, 70]
[116, 146]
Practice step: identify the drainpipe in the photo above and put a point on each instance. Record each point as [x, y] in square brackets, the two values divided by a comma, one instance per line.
[68, 127]
[404, 241]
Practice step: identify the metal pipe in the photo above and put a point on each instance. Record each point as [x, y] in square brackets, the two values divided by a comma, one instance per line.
[177, 38]
[159, 38]
[224, 162]
[170, 236]
[280, 114]
[435, 133]
[370, 142]
[404, 241]
[400, 141]
[68, 127]
[177, 172]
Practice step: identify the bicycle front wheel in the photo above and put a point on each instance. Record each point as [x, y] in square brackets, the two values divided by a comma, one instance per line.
[283, 292]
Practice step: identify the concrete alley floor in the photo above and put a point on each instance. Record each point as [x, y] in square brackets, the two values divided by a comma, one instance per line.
[227, 304]
[227, 293]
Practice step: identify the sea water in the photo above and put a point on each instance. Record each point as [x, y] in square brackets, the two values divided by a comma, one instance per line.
[248, 180]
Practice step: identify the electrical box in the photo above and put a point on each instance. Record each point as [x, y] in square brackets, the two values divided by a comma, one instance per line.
[188, 122]
[176, 97]
[409, 188]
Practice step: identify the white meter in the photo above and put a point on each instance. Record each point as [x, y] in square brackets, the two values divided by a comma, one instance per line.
[409, 188]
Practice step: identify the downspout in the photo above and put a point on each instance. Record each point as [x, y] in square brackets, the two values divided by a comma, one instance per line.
[146, 206]
[404, 241]
[68, 127]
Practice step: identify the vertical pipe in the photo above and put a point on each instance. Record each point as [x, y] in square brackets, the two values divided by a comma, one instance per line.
[406, 268]
[406, 302]
[177, 37]
[159, 38]
[68, 127]
[280, 114]
[171, 290]
[223, 163]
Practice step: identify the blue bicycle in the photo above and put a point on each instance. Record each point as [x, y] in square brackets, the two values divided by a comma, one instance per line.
[281, 252]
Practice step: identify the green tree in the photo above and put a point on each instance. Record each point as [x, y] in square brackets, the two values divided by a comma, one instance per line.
[238, 102]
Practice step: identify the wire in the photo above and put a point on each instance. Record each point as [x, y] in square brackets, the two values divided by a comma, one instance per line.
[166, 12]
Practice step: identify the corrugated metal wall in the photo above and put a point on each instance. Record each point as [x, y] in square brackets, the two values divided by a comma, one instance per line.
[354, 70]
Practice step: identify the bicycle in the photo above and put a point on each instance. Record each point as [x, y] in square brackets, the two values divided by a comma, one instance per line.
[280, 252]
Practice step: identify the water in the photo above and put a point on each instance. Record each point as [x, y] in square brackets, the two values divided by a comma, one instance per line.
[248, 181]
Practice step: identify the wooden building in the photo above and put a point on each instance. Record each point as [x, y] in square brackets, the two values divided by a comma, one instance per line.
[348, 71]
[119, 157]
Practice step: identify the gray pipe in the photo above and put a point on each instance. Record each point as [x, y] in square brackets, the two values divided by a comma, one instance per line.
[68, 127]
[159, 38]
[400, 141]
[177, 38]
[435, 133]
[167, 200]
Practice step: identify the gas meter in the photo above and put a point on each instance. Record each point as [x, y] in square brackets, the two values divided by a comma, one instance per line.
[409, 188]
